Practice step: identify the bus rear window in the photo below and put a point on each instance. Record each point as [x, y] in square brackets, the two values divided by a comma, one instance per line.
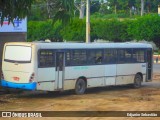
[20, 54]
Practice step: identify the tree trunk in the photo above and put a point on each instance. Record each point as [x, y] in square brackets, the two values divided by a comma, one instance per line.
[149, 8]
[142, 7]
[48, 9]
[115, 7]
[81, 10]
[130, 11]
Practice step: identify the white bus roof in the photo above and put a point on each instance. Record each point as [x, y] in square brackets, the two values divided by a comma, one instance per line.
[63, 45]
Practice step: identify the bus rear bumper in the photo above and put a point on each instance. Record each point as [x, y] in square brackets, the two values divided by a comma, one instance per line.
[27, 86]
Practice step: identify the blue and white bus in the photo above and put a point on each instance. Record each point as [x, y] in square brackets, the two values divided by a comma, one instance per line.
[64, 66]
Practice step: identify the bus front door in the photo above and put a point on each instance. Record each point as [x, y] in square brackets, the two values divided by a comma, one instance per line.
[59, 70]
[149, 65]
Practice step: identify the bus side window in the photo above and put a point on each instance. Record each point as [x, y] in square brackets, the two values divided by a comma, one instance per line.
[78, 57]
[91, 57]
[95, 57]
[128, 55]
[98, 57]
[46, 58]
[110, 56]
[125, 56]
[121, 54]
[139, 55]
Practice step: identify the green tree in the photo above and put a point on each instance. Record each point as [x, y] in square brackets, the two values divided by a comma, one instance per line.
[113, 5]
[61, 9]
[40, 30]
[146, 28]
[80, 6]
[131, 4]
[104, 8]
[112, 30]
[38, 11]
[74, 31]
[13, 8]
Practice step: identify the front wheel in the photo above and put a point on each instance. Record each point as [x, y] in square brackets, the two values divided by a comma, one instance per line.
[80, 87]
[137, 81]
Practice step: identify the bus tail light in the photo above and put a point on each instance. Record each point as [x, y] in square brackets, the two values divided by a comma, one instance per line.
[32, 77]
[2, 76]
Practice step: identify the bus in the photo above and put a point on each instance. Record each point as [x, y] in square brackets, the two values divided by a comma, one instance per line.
[75, 66]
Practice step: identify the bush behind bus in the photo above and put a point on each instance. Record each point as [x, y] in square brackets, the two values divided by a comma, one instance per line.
[140, 28]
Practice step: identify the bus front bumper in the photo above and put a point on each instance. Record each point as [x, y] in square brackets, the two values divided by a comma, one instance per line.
[27, 86]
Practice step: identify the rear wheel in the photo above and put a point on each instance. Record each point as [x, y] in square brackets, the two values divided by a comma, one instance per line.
[137, 81]
[80, 86]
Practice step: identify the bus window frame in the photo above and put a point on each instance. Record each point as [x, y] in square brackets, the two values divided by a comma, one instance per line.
[53, 57]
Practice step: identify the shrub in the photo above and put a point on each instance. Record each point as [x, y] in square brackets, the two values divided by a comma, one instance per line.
[74, 31]
[40, 30]
[112, 30]
[146, 28]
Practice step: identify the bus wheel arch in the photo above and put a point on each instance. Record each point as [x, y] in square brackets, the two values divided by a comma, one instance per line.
[138, 80]
[81, 85]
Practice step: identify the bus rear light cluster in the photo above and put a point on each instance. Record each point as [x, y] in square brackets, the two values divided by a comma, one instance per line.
[32, 77]
[2, 76]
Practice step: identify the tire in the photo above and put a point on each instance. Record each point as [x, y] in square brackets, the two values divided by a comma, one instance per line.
[137, 81]
[80, 87]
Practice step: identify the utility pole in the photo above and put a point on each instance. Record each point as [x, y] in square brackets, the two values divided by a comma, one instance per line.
[159, 10]
[88, 22]
[142, 7]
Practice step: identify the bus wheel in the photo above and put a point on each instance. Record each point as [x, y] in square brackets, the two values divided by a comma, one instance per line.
[80, 86]
[137, 81]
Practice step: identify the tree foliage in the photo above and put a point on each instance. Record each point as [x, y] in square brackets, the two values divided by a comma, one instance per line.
[112, 30]
[64, 11]
[74, 31]
[141, 28]
[132, 6]
[146, 28]
[60, 9]
[41, 30]
[12, 8]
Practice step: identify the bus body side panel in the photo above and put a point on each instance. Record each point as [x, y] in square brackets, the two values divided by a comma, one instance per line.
[110, 74]
[46, 79]
[127, 72]
[94, 74]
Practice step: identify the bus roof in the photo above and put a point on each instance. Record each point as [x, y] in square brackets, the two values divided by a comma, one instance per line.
[64, 45]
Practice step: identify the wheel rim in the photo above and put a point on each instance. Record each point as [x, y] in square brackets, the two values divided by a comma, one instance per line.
[138, 81]
[80, 87]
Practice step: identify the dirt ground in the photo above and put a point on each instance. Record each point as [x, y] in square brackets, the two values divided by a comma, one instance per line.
[118, 98]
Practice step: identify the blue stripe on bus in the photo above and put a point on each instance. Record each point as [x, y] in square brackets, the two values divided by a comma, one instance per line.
[27, 86]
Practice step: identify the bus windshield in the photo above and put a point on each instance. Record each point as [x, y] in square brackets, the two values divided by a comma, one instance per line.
[19, 54]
